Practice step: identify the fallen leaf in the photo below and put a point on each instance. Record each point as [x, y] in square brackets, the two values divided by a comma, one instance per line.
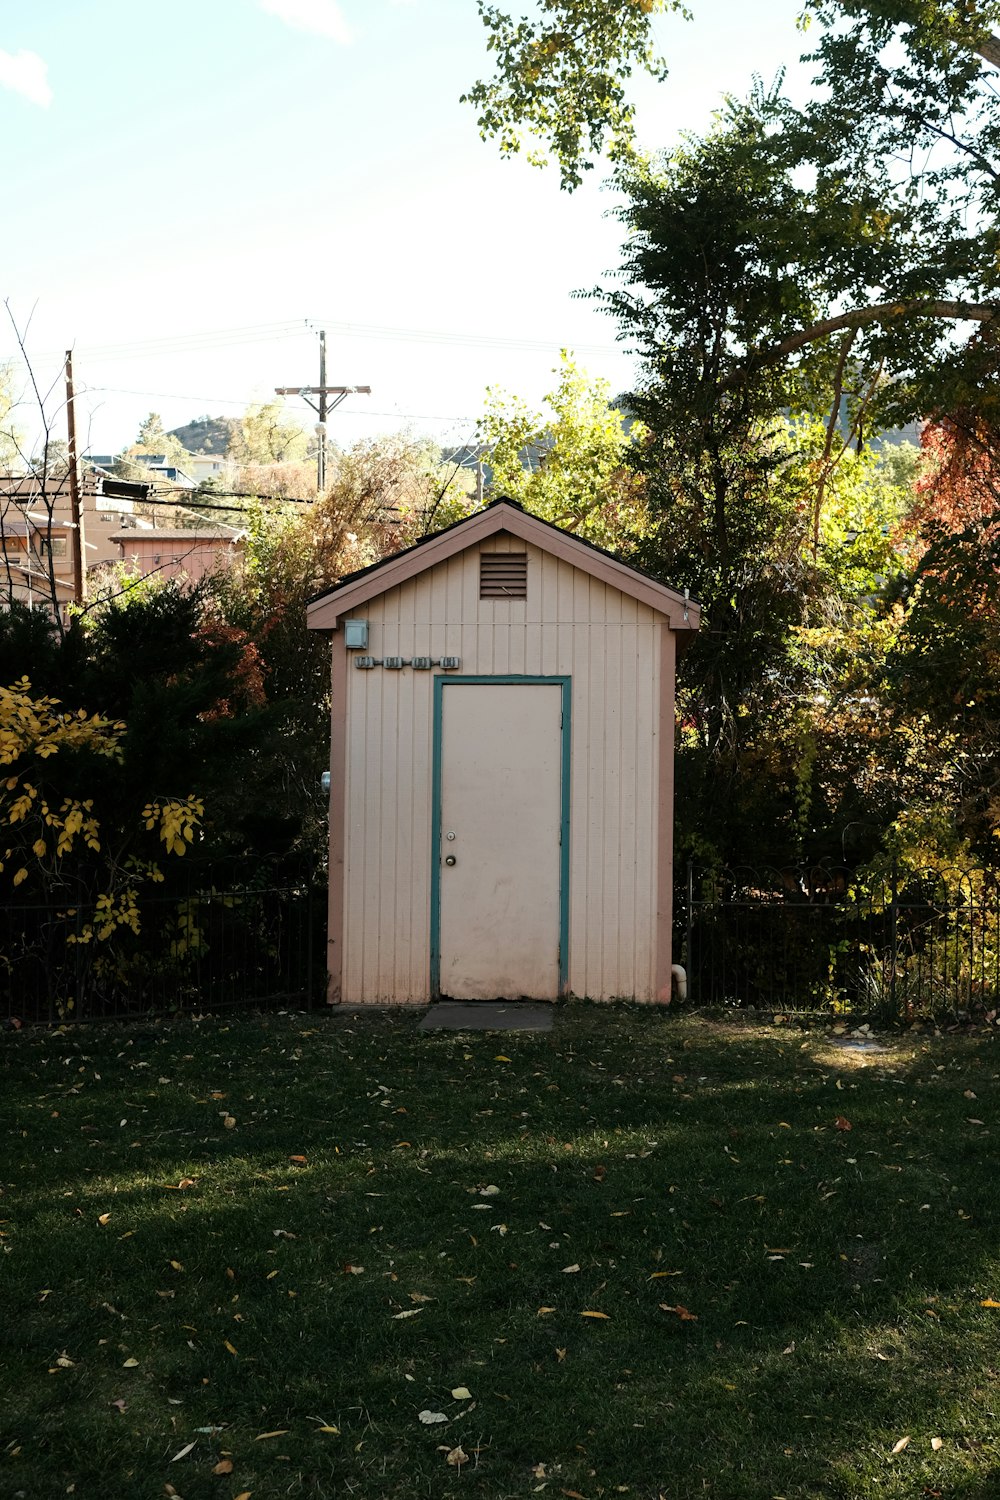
[657, 1274]
[130, 1364]
[843, 1124]
[605, 1316]
[539, 1471]
[243, 1495]
[489, 1191]
[103, 1218]
[543, 1312]
[937, 1444]
[183, 1453]
[65, 1363]
[429, 1417]
[176, 1265]
[560, 1355]
[353, 1270]
[298, 1160]
[229, 1121]
[120, 1404]
[408, 1312]
[989, 1302]
[681, 1312]
[327, 1428]
[571, 1494]
[462, 1393]
[500, 1058]
[968, 1094]
[263, 1436]
[569, 1270]
[224, 1466]
[457, 1457]
[229, 1346]
[600, 1173]
[903, 1443]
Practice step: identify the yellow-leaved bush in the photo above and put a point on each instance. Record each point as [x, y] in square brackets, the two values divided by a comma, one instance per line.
[51, 833]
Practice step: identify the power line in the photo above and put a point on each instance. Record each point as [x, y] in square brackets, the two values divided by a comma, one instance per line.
[117, 390]
[291, 328]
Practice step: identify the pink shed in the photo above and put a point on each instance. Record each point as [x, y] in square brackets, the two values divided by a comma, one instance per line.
[501, 768]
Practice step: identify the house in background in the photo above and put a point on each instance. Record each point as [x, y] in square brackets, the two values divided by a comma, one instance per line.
[178, 553]
[36, 523]
[157, 464]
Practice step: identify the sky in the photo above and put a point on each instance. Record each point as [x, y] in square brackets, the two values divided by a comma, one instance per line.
[195, 189]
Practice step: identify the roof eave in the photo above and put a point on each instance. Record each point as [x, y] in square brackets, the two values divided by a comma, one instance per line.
[325, 612]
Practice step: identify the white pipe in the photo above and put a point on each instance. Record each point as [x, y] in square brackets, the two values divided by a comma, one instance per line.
[679, 975]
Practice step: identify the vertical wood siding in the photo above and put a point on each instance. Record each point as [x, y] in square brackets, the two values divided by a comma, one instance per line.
[570, 624]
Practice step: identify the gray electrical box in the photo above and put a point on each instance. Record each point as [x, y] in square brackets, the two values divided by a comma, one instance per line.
[356, 635]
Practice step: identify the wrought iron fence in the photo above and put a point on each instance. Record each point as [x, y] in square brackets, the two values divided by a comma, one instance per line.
[894, 945]
[204, 949]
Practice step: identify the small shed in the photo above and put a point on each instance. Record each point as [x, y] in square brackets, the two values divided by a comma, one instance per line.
[501, 769]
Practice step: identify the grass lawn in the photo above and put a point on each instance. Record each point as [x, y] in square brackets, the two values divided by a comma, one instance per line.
[639, 1255]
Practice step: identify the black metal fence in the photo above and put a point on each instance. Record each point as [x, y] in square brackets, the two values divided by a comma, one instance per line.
[903, 944]
[201, 950]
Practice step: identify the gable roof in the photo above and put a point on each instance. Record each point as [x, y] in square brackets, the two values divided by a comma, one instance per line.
[325, 610]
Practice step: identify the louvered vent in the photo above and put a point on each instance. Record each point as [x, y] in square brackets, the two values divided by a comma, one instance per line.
[503, 575]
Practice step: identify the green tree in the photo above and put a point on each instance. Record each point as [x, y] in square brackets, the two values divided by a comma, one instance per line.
[266, 435]
[151, 438]
[562, 78]
[571, 468]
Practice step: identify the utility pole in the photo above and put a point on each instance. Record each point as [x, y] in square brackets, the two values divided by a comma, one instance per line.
[322, 405]
[76, 534]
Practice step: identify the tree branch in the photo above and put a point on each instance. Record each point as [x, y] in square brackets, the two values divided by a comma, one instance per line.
[857, 318]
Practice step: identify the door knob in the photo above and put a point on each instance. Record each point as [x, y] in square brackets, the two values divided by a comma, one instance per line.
[450, 859]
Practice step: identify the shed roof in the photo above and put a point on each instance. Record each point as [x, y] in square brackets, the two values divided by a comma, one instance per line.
[325, 610]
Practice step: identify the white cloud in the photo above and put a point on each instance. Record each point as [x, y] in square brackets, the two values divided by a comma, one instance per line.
[26, 73]
[321, 17]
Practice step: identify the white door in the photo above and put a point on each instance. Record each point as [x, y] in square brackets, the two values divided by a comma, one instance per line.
[501, 756]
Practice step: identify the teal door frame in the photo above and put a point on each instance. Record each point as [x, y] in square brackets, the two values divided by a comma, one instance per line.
[440, 683]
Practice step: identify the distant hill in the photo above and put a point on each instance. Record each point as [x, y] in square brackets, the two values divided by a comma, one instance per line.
[207, 434]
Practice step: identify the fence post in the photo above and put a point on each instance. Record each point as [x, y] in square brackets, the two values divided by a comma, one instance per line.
[689, 934]
[893, 914]
[310, 904]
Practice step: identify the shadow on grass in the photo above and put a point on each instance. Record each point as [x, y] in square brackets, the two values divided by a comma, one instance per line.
[781, 1299]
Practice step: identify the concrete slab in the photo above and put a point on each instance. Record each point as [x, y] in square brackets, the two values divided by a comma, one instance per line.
[487, 1015]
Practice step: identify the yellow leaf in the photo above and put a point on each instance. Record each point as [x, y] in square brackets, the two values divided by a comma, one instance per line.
[462, 1393]
[595, 1315]
[20, 877]
[335, 1430]
[130, 1364]
[262, 1436]
[544, 1312]
[665, 1273]
[176, 1265]
[500, 1058]
[224, 1466]
[229, 1346]
[243, 1495]
[989, 1302]
[103, 1218]
[937, 1444]
[903, 1443]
